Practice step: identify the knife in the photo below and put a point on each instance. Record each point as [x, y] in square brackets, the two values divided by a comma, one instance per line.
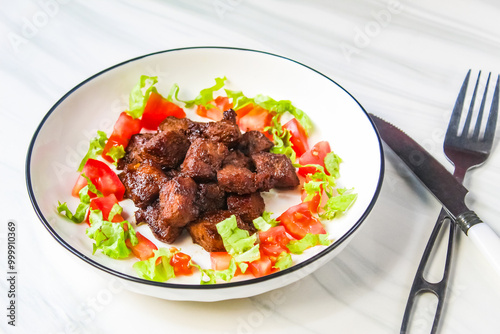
[443, 185]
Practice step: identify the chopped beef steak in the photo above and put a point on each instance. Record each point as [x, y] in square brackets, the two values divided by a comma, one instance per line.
[238, 159]
[235, 179]
[203, 160]
[204, 231]
[133, 150]
[167, 148]
[274, 171]
[225, 131]
[152, 216]
[210, 197]
[177, 201]
[142, 182]
[252, 142]
[248, 207]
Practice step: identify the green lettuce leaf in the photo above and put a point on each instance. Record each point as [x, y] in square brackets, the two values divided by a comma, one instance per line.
[96, 147]
[265, 222]
[206, 95]
[332, 164]
[116, 153]
[210, 276]
[310, 240]
[339, 204]
[140, 94]
[148, 269]
[110, 237]
[237, 242]
[83, 206]
[284, 261]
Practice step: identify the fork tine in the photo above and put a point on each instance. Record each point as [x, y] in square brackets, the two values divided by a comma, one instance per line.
[468, 120]
[489, 132]
[479, 119]
[457, 109]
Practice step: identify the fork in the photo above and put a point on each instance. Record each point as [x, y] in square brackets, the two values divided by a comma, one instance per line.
[465, 150]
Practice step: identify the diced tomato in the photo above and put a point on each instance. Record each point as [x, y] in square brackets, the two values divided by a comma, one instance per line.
[144, 248]
[256, 119]
[313, 203]
[181, 263]
[157, 109]
[105, 204]
[125, 127]
[220, 104]
[273, 241]
[316, 155]
[298, 136]
[221, 261]
[298, 221]
[243, 111]
[261, 267]
[103, 178]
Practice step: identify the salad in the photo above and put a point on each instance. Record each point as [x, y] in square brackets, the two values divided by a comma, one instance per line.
[268, 244]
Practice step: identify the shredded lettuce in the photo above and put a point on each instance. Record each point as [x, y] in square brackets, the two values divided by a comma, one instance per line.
[96, 147]
[338, 204]
[150, 270]
[310, 240]
[284, 261]
[265, 222]
[210, 276]
[140, 94]
[237, 242]
[205, 96]
[281, 139]
[84, 204]
[116, 153]
[110, 237]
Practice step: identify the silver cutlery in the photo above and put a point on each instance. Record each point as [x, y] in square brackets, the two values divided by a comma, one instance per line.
[465, 148]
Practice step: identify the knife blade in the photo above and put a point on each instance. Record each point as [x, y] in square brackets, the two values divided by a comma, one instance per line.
[443, 185]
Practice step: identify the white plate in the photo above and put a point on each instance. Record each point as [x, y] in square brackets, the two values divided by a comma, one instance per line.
[62, 138]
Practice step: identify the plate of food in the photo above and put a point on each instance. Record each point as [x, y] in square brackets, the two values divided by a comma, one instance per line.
[205, 173]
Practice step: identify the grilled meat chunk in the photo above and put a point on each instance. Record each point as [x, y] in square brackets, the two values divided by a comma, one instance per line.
[190, 128]
[238, 159]
[203, 160]
[235, 179]
[204, 231]
[225, 131]
[248, 207]
[133, 150]
[252, 142]
[210, 197]
[177, 201]
[274, 171]
[142, 182]
[167, 148]
[152, 216]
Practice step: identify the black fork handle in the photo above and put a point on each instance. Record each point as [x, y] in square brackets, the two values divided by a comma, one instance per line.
[421, 285]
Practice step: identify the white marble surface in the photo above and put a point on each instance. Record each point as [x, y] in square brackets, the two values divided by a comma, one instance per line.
[403, 60]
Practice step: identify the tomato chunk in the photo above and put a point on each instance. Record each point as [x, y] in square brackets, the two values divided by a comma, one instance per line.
[220, 104]
[256, 119]
[103, 178]
[316, 155]
[273, 241]
[298, 221]
[104, 204]
[261, 267]
[157, 109]
[144, 248]
[298, 136]
[125, 127]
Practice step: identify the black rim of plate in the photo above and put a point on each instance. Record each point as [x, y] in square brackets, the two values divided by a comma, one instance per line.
[224, 285]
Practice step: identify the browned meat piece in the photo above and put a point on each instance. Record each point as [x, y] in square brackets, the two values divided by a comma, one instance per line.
[172, 123]
[133, 150]
[225, 131]
[252, 142]
[238, 159]
[162, 231]
[167, 148]
[204, 232]
[248, 207]
[177, 201]
[203, 160]
[210, 197]
[142, 182]
[238, 180]
[274, 171]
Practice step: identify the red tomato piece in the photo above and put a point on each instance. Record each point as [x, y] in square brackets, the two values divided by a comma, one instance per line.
[273, 241]
[261, 267]
[125, 127]
[105, 204]
[144, 248]
[181, 263]
[316, 155]
[243, 111]
[298, 136]
[256, 119]
[220, 103]
[103, 178]
[298, 221]
[157, 109]
[220, 260]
